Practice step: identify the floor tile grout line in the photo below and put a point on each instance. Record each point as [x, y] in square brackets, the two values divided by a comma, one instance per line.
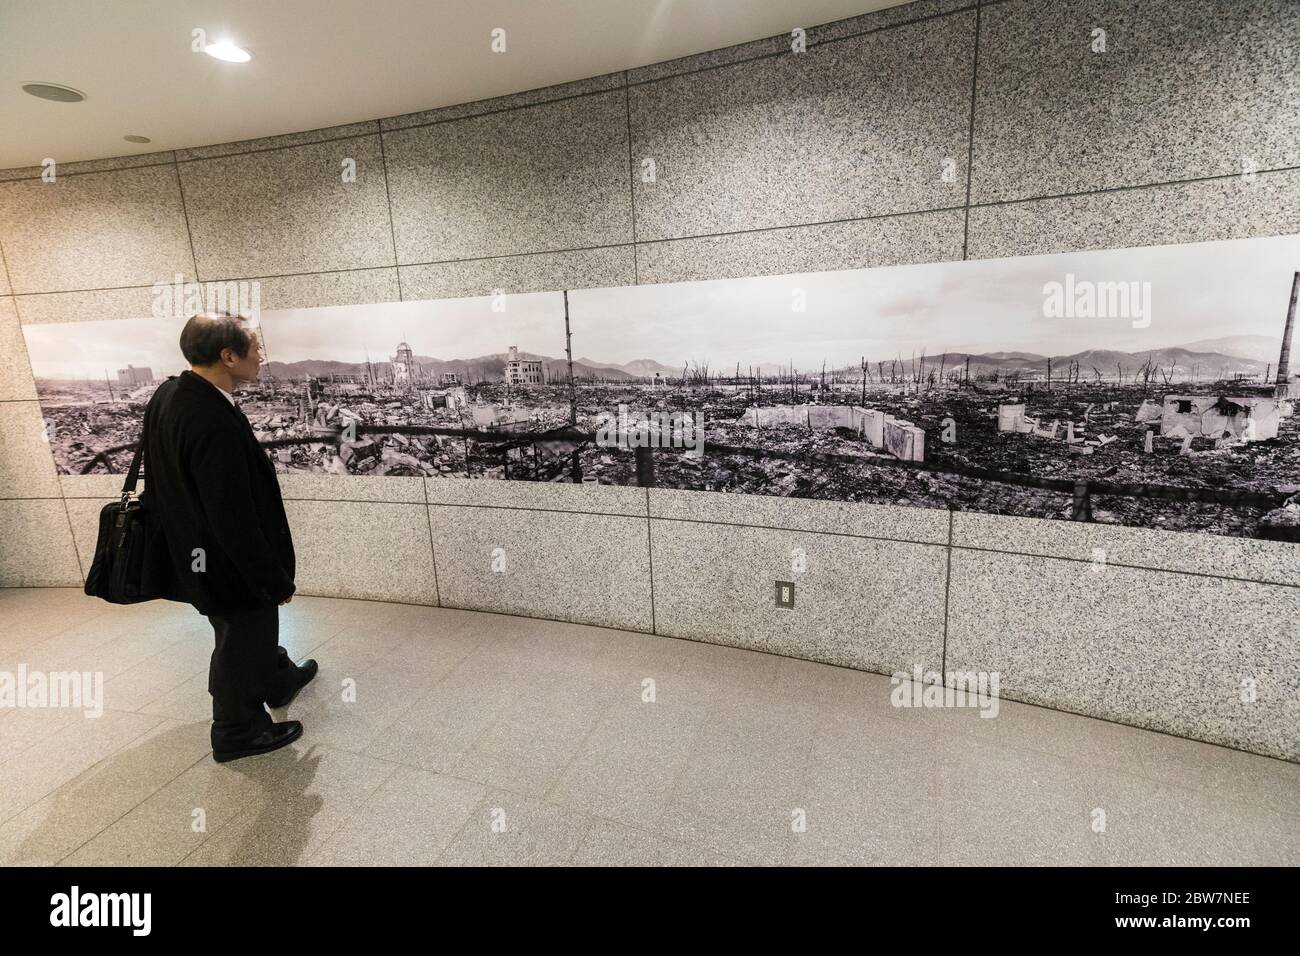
[45, 793]
[357, 808]
[1014, 699]
[1081, 763]
[577, 751]
[491, 788]
[1003, 746]
[243, 813]
[157, 790]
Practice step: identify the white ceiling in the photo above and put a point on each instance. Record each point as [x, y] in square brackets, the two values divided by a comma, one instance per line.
[323, 63]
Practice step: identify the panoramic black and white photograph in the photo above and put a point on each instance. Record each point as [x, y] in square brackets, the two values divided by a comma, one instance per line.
[994, 386]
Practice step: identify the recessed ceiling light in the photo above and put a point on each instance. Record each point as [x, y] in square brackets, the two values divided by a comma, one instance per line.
[56, 92]
[225, 50]
[135, 138]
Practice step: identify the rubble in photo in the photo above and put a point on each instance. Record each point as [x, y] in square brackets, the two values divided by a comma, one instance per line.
[1198, 436]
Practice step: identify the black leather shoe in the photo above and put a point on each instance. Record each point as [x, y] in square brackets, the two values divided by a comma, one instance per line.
[273, 738]
[306, 671]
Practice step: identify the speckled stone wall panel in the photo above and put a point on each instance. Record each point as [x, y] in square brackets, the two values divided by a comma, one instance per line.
[390, 488]
[83, 517]
[545, 94]
[759, 49]
[92, 306]
[588, 569]
[887, 18]
[781, 43]
[862, 603]
[94, 231]
[855, 128]
[1152, 649]
[36, 549]
[289, 210]
[16, 382]
[1248, 559]
[164, 158]
[353, 287]
[861, 244]
[1182, 90]
[1231, 208]
[368, 550]
[537, 496]
[326, 134]
[582, 269]
[26, 465]
[94, 486]
[925, 525]
[538, 179]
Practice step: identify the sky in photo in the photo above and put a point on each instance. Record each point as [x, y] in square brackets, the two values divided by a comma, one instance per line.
[1197, 291]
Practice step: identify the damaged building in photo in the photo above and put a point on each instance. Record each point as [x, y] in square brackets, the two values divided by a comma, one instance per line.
[1209, 424]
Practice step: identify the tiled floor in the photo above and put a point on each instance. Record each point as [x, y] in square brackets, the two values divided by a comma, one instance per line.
[481, 739]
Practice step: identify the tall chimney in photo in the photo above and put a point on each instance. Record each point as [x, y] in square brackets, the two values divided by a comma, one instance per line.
[1284, 357]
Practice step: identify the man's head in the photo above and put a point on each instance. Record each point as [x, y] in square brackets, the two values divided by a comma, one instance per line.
[221, 348]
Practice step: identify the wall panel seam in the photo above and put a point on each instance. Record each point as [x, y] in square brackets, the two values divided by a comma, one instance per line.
[189, 233]
[819, 531]
[1131, 567]
[562, 511]
[631, 182]
[274, 149]
[388, 205]
[650, 554]
[86, 172]
[970, 145]
[433, 550]
[947, 595]
[1119, 189]
[504, 109]
[633, 245]
[815, 44]
[72, 537]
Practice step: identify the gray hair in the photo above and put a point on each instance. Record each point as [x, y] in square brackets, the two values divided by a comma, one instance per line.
[206, 335]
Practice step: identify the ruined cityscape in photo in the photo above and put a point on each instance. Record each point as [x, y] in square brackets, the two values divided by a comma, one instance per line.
[915, 385]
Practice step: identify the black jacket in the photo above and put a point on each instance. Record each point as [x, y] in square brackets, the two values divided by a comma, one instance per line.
[208, 485]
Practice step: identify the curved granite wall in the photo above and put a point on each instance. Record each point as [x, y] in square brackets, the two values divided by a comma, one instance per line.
[1054, 147]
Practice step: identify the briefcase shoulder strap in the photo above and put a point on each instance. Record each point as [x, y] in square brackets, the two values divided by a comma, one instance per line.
[133, 473]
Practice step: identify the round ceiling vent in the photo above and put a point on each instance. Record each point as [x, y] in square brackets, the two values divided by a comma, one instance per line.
[54, 91]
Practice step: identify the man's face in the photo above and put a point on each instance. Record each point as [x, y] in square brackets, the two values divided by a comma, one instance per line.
[245, 369]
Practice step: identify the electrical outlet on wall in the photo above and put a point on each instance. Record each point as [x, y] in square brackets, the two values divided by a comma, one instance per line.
[785, 594]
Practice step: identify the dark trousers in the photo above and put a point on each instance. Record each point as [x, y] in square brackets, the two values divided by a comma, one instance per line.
[249, 668]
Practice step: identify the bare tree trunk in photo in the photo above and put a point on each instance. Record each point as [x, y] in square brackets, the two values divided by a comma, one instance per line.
[1284, 356]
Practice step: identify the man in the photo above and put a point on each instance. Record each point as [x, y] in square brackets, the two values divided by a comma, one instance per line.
[222, 539]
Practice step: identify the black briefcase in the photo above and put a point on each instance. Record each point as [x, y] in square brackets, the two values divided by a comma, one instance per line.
[117, 573]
